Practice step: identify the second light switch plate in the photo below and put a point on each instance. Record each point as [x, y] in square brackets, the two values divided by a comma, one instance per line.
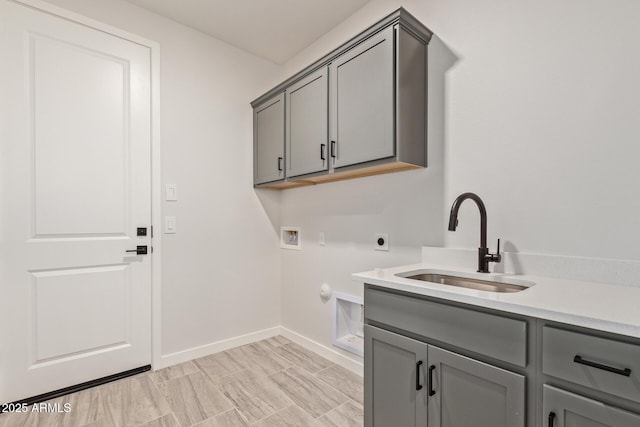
[170, 225]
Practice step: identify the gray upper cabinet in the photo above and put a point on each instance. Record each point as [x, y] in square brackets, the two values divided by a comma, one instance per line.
[358, 111]
[307, 125]
[268, 144]
[362, 107]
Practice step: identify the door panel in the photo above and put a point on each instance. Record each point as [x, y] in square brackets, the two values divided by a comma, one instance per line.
[307, 120]
[362, 97]
[469, 393]
[391, 368]
[64, 299]
[75, 184]
[572, 410]
[78, 145]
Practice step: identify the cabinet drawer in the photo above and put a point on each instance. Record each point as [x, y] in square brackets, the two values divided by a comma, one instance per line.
[603, 364]
[495, 336]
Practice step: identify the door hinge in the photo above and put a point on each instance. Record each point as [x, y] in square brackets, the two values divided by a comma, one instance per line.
[152, 231]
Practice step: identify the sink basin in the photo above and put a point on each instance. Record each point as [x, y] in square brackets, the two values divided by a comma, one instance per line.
[490, 284]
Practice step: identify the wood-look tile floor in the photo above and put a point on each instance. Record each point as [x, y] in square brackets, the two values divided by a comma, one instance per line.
[273, 382]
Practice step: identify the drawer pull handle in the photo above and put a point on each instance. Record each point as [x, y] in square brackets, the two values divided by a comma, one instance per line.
[431, 390]
[624, 372]
[552, 417]
[418, 385]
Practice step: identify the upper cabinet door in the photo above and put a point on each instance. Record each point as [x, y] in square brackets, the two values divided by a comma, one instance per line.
[268, 140]
[362, 102]
[307, 125]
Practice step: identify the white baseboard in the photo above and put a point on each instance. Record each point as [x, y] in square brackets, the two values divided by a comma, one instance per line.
[216, 347]
[328, 353]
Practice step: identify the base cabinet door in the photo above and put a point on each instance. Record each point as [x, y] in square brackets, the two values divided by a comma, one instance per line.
[564, 409]
[394, 386]
[468, 393]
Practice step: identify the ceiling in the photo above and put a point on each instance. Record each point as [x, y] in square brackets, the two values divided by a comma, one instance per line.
[273, 29]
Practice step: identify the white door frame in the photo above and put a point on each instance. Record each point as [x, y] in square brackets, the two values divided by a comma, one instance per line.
[156, 191]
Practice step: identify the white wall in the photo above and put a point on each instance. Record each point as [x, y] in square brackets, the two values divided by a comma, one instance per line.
[534, 106]
[221, 272]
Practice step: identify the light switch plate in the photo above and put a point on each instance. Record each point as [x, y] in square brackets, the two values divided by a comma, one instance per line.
[171, 193]
[170, 225]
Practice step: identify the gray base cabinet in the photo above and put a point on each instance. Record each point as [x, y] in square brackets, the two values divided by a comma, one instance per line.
[565, 409]
[432, 362]
[411, 383]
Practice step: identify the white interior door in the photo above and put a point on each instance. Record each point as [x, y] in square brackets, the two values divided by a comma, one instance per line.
[75, 185]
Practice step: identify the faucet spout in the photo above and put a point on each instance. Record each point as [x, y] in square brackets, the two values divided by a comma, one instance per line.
[484, 257]
[453, 216]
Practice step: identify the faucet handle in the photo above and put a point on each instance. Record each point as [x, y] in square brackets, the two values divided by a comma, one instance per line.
[497, 257]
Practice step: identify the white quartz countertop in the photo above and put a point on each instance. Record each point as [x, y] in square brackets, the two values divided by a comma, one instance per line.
[610, 308]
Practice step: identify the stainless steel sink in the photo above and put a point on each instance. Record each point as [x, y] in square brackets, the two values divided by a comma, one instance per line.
[468, 282]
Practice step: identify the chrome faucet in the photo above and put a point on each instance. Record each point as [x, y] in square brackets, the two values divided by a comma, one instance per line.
[484, 257]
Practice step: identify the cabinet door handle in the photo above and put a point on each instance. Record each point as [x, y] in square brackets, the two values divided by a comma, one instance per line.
[431, 390]
[624, 372]
[280, 164]
[552, 418]
[333, 149]
[322, 147]
[418, 385]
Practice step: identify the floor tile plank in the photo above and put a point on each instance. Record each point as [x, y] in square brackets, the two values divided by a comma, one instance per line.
[345, 381]
[259, 360]
[219, 365]
[230, 418]
[173, 372]
[350, 414]
[194, 398]
[133, 401]
[255, 396]
[292, 416]
[308, 392]
[300, 356]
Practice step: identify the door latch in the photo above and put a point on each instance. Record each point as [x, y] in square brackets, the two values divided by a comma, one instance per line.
[139, 250]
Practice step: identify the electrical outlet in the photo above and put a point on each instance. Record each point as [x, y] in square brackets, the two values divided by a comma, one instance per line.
[381, 242]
